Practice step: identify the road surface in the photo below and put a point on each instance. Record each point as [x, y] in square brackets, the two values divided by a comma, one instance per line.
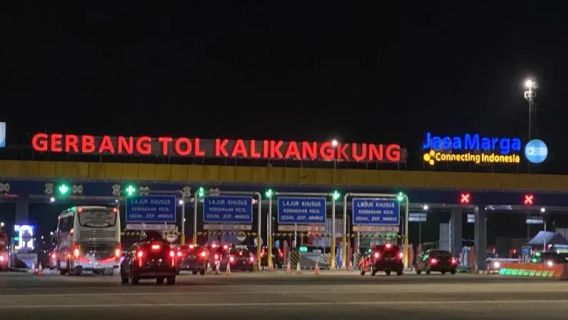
[283, 296]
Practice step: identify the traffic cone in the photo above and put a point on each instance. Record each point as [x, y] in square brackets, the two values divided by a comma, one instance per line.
[228, 271]
[298, 268]
[288, 267]
[33, 270]
[217, 267]
[317, 269]
[40, 270]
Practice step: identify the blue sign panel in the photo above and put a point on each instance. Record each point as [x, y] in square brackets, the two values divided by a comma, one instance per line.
[2, 134]
[375, 211]
[151, 209]
[301, 210]
[227, 209]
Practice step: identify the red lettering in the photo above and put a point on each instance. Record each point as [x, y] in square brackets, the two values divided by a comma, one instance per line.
[198, 152]
[362, 155]
[375, 152]
[253, 153]
[71, 142]
[182, 151]
[144, 145]
[265, 148]
[165, 142]
[341, 154]
[393, 152]
[275, 149]
[87, 144]
[292, 151]
[326, 151]
[55, 145]
[106, 145]
[239, 147]
[220, 148]
[125, 146]
[39, 142]
[309, 150]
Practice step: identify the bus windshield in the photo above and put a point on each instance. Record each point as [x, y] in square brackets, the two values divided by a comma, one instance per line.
[97, 219]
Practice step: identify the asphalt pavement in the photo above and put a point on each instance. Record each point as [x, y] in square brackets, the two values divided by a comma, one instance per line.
[277, 295]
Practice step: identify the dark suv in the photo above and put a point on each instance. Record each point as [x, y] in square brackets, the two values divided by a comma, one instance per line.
[239, 259]
[196, 260]
[386, 257]
[436, 260]
[150, 259]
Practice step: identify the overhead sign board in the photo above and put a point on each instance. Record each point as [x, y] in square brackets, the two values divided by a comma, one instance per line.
[151, 209]
[227, 209]
[83, 144]
[375, 211]
[301, 210]
[471, 148]
[301, 228]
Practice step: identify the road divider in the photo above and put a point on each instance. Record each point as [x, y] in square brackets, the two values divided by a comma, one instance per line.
[535, 270]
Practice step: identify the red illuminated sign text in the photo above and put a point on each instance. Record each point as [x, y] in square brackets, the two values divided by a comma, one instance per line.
[223, 148]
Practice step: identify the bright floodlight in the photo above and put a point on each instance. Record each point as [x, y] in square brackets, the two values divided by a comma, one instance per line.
[425, 207]
[334, 143]
[529, 84]
[543, 210]
[52, 199]
[180, 202]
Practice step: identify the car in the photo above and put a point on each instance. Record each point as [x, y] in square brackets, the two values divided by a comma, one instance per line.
[386, 257]
[149, 259]
[277, 257]
[196, 260]
[239, 259]
[550, 258]
[4, 258]
[436, 260]
[216, 253]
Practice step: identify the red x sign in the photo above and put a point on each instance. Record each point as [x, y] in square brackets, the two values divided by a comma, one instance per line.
[529, 200]
[465, 198]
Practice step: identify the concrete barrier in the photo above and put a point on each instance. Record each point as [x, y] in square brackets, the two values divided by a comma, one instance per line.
[535, 270]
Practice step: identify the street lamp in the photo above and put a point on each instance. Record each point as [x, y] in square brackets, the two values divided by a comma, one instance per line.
[334, 143]
[530, 94]
[425, 207]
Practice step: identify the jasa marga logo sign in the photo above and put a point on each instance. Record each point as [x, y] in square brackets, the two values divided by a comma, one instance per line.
[471, 148]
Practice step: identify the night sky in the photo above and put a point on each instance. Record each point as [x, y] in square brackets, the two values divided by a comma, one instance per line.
[306, 70]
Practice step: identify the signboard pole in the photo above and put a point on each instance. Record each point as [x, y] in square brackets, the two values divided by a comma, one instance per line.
[344, 237]
[269, 233]
[182, 238]
[195, 203]
[332, 249]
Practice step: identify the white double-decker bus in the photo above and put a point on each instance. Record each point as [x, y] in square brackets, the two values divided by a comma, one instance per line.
[88, 238]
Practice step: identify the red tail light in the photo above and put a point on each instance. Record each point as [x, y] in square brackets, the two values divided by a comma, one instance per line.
[179, 254]
[454, 261]
[216, 257]
[400, 255]
[225, 247]
[251, 259]
[191, 246]
[203, 254]
[377, 255]
[140, 255]
[76, 252]
[1, 258]
[156, 247]
[388, 245]
[231, 259]
[117, 252]
[53, 256]
[433, 261]
[172, 254]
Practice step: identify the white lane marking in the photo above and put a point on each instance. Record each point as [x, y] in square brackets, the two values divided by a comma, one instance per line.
[277, 304]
